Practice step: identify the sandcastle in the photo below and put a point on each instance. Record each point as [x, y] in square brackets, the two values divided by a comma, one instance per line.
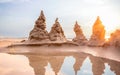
[39, 31]
[114, 40]
[98, 34]
[80, 38]
[56, 34]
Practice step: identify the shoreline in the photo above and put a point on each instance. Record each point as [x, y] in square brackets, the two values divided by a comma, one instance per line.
[14, 46]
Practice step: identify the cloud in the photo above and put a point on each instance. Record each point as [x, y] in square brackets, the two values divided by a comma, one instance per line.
[9, 1]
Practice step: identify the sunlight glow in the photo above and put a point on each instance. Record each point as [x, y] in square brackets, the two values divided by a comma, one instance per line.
[110, 26]
[111, 23]
[107, 38]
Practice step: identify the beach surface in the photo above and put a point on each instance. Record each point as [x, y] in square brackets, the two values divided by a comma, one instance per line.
[109, 52]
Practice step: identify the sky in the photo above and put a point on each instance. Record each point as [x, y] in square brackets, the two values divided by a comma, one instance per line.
[17, 17]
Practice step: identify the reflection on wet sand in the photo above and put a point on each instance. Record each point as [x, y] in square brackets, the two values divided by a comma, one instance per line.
[56, 63]
[79, 59]
[114, 66]
[38, 63]
[98, 65]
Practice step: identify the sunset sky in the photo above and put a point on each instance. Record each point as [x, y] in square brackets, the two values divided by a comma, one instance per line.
[17, 17]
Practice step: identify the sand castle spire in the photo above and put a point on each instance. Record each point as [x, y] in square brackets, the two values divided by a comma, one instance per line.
[39, 31]
[56, 20]
[98, 33]
[41, 13]
[42, 16]
[57, 33]
[80, 38]
[98, 17]
[114, 39]
[76, 23]
[98, 21]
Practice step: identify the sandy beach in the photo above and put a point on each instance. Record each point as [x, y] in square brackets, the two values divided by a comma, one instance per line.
[109, 52]
[8, 41]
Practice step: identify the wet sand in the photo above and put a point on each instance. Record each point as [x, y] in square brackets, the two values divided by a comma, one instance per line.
[110, 52]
